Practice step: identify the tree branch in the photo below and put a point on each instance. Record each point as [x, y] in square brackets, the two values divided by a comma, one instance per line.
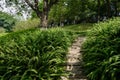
[51, 3]
[35, 7]
[36, 4]
[28, 2]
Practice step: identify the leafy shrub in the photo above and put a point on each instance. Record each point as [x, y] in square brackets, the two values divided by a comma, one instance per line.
[2, 30]
[34, 54]
[6, 21]
[23, 25]
[102, 51]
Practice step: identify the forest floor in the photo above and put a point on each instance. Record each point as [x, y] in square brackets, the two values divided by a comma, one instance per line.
[74, 61]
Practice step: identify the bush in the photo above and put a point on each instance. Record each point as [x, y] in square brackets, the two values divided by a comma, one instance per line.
[102, 51]
[34, 54]
[23, 25]
[6, 21]
[2, 30]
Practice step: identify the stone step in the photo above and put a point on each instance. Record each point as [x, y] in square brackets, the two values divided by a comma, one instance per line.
[73, 78]
[78, 79]
[75, 46]
[72, 64]
[74, 69]
[73, 51]
[77, 76]
[75, 55]
[76, 72]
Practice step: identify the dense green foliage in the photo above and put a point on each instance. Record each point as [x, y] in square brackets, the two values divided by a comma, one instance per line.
[6, 21]
[34, 54]
[102, 51]
[70, 11]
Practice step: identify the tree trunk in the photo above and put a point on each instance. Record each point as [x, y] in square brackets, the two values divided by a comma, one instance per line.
[44, 16]
[108, 8]
[98, 15]
[44, 21]
[115, 4]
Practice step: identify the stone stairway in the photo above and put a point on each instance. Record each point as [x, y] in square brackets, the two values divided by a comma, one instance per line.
[74, 61]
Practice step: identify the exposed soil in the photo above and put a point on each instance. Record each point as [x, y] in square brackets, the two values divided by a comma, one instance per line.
[74, 61]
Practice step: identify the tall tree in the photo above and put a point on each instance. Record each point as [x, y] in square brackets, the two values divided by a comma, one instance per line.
[108, 2]
[98, 17]
[42, 14]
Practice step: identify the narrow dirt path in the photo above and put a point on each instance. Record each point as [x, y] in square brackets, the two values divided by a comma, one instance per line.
[74, 61]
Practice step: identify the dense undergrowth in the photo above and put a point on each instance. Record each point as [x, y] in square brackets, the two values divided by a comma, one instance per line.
[34, 54]
[102, 51]
[28, 24]
[79, 29]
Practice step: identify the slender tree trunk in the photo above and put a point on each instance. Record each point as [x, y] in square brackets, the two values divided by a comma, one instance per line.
[98, 16]
[108, 8]
[115, 4]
